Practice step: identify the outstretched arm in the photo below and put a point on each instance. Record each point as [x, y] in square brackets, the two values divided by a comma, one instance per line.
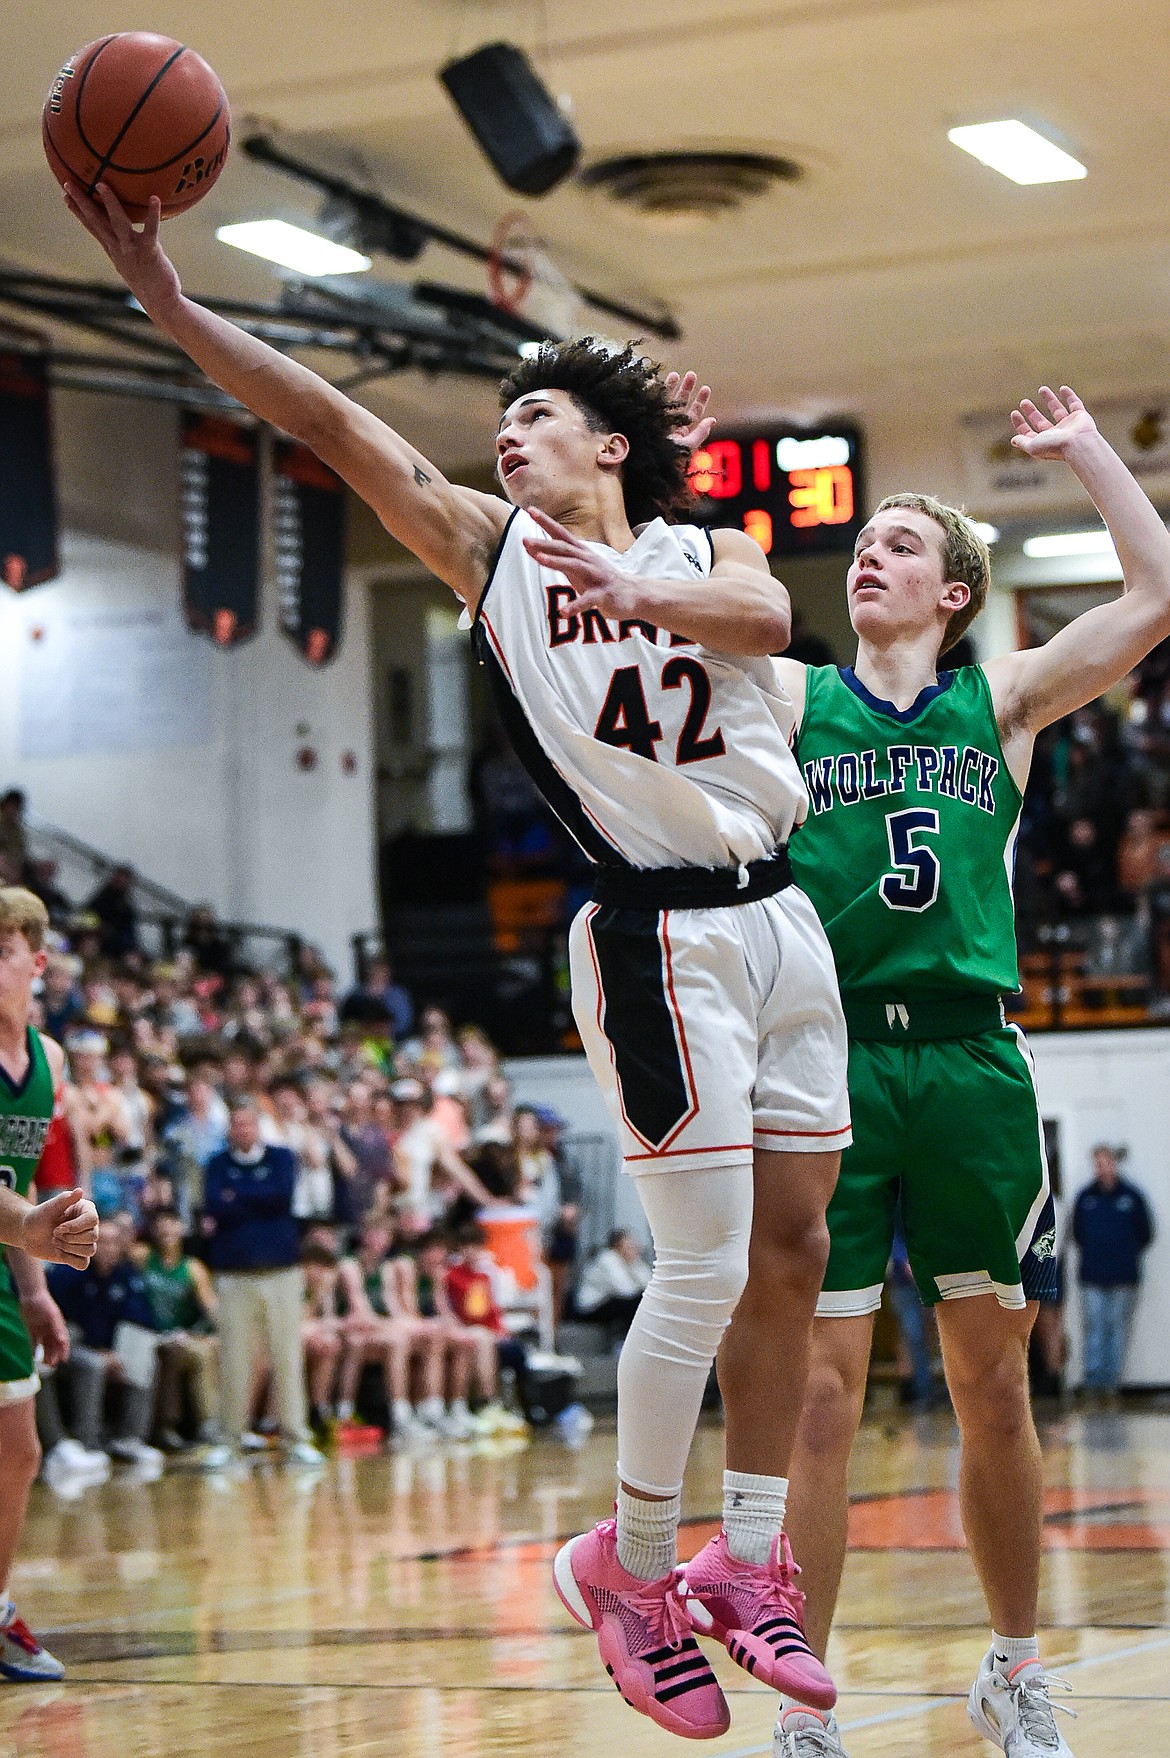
[739, 608]
[453, 530]
[1094, 651]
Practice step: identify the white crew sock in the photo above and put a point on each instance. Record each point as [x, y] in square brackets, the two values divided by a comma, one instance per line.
[432, 1409]
[403, 1412]
[1013, 1651]
[794, 1716]
[458, 1407]
[344, 1410]
[753, 1514]
[647, 1543]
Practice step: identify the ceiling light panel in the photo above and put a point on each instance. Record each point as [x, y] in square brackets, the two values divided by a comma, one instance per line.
[1062, 543]
[306, 253]
[1017, 151]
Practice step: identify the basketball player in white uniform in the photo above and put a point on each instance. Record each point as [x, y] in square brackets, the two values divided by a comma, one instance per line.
[632, 674]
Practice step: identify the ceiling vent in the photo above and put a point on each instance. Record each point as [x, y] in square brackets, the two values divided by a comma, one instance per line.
[680, 188]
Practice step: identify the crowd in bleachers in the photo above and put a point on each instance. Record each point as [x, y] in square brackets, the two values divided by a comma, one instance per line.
[1093, 862]
[431, 1222]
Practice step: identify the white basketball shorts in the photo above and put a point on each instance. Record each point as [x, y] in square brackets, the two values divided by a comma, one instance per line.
[712, 1032]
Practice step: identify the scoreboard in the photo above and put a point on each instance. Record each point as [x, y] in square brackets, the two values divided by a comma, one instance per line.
[795, 492]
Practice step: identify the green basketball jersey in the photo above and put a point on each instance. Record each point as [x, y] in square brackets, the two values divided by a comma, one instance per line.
[26, 1110]
[908, 847]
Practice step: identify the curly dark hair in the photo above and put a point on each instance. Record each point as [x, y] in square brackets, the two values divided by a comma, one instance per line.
[617, 393]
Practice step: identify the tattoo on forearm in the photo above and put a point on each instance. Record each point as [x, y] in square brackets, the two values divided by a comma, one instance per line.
[420, 475]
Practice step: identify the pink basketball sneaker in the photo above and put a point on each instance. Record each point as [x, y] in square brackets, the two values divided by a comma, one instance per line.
[756, 1612]
[643, 1635]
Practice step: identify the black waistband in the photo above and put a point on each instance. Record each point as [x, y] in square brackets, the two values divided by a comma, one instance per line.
[691, 888]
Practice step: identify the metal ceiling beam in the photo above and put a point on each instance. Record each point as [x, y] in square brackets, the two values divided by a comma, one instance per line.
[391, 328]
[384, 226]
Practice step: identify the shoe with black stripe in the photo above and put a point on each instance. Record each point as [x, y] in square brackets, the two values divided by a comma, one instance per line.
[644, 1636]
[757, 1612]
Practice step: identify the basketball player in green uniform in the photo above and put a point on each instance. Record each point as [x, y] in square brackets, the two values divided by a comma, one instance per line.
[63, 1230]
[915, 777]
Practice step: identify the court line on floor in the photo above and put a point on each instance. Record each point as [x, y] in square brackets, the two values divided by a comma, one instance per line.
[932, 1703]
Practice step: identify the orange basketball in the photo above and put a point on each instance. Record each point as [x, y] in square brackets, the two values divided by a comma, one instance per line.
[142, 113]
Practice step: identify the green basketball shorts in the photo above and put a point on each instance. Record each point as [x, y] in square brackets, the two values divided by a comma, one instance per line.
[952, 1127]
[18, 1373]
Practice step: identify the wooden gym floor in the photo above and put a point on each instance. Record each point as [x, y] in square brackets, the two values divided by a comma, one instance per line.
[403, 1605]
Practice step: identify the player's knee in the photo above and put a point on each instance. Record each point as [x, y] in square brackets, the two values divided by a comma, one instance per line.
[992, 1396]
[21, 1458]
[832, 1407]
[794, 1253]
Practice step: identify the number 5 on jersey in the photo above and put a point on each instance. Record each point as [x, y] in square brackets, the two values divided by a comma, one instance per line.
[914, 884]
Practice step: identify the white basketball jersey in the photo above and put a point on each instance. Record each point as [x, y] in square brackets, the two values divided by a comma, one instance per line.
[653, 751]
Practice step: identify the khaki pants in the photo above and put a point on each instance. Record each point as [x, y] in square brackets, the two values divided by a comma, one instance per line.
[187, 1360]
[262, 1306]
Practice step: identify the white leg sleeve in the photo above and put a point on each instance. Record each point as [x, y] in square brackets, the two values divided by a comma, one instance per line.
[701, 1224]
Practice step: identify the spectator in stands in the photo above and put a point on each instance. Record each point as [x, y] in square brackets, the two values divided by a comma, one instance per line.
[169, 1008]
[377, 1001]
[197, 1133]
[467, 1310]
[469, 1289]
[254, 1252]
[137, 1144]
[183, 1306]
[480, 1062]
[208, 945]
[428, 1174]
[612, 1283]
[41, 878]
[324, 1329]
[61, 996]
[434, 1049]
[117, 913]
[323, 1108]
[1112, 1228]
[496, 1111]
[369, 1144]
[99, 1118]
[112, 1327]
[404, 1339]
[561, 1212]
[13, 843]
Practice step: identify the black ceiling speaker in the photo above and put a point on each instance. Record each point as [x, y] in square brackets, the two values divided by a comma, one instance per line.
[512, 115]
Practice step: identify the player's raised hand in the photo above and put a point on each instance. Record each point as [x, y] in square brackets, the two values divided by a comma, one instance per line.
[694, 399]
[1051, 435]
[596, 583]
[63, 1230]
[136, 253]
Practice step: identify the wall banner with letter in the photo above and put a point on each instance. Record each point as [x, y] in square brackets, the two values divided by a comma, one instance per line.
[28, 489]
[219, 485]
[308, 530]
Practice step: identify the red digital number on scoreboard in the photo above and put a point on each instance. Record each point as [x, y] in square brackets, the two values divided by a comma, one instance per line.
[782, 487]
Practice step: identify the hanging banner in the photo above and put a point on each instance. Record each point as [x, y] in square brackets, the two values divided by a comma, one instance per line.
[219, 481]
[28, 489]
[1007, 483]
[308, 529]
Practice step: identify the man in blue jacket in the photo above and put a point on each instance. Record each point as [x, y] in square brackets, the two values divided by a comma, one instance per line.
[255, 1256]
[96, 1302]
[1112, 1228]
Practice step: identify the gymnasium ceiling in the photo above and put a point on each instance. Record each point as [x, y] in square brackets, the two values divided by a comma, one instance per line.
[899, 281]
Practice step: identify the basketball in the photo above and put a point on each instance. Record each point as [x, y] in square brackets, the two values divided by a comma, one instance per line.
[144, 114]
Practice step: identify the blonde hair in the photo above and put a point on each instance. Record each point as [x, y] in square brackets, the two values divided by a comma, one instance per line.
[965, 556]
[23, 913]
